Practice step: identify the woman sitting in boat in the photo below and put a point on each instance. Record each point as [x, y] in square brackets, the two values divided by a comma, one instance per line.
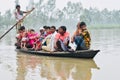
[24, 40]
[32, 36]
[81, 37]
[50, 40]
[62, 39]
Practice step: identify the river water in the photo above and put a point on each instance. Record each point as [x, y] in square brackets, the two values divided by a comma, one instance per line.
[105, 66]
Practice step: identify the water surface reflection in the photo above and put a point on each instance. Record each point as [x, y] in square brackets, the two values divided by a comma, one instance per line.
[32, 67]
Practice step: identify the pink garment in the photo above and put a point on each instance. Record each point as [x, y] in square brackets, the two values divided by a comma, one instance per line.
[62, 37]
[32, 38]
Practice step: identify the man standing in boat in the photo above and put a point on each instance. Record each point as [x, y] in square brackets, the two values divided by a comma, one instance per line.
[19, 16]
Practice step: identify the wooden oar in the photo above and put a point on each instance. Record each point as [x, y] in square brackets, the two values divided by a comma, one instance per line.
[16, 23]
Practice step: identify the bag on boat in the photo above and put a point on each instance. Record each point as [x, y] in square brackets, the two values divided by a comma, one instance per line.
[73, 46]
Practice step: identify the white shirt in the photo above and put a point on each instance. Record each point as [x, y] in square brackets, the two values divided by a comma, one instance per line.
[52, 41]
[18, 16]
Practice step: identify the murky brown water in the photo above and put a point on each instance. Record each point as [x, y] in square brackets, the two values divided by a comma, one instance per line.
[105, 66]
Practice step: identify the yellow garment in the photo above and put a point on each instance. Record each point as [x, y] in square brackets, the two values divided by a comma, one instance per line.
[87, 38]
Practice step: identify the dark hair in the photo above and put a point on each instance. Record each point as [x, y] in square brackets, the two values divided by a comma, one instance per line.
[47, 27]
[22, 28]
[82, 23]
[17, 6]
[32, 30]
[64, 28]
[56, 30]
[53, 27]
[44, 27]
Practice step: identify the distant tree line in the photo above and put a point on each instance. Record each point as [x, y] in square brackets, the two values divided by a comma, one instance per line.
[48, 14]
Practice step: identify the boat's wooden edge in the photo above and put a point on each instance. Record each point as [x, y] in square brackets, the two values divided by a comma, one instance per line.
[57, 52]
[89, 54]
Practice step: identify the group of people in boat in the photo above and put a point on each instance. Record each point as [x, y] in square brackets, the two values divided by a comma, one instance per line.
[52, 39]
[49, 38]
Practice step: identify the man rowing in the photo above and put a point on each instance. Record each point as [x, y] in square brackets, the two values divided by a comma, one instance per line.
[19, 16]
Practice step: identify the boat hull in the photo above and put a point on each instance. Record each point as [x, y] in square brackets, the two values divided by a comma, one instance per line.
[76, 54]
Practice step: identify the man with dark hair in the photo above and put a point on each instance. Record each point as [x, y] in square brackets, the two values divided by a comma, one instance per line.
[83, 39]
[50, 40]
[82, 24]
[63, 28]
[19, 16]
[86, 36]
[62, 39]
[53, 27]
[22, 28]
[44, 27]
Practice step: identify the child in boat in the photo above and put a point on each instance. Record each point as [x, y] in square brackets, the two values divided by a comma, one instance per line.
[18, 38]
[47, 31]
[32, 37]
[82, 40]
[24, 37]
[50, 40]
[38, 43]
[43, 34]
[24, 40]
[62, 39]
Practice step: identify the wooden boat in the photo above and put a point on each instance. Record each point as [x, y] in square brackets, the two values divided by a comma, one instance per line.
[77, 54]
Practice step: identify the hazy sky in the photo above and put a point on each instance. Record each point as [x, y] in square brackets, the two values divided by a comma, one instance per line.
[100, 4]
